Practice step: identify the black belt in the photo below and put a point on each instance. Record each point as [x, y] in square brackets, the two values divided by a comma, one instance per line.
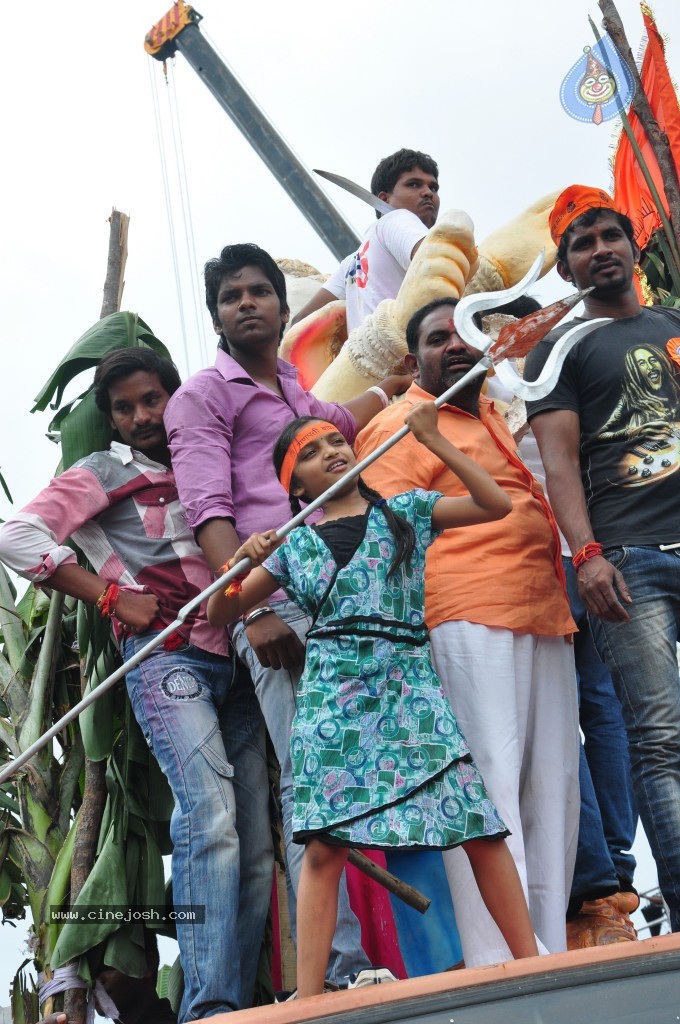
[396, 632]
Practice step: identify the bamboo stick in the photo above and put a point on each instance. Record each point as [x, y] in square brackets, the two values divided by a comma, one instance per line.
[405, 892]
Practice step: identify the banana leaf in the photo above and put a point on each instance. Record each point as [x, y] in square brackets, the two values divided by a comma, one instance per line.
[24, 1000]
[33, 606]
[657, 263]
[59, 886]
[125, 950]
[82, 431]
[5, 887]
[162, 982]
[105, 887]
[81, 426]
[127, 873]
[176, 985]
[8, 803]
[6, 489]
[119, 330]
[98, 724]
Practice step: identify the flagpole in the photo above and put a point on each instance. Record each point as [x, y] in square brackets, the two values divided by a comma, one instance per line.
[667, 226]
[658, 139]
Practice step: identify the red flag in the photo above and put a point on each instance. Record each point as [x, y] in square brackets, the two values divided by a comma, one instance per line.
[631, 194]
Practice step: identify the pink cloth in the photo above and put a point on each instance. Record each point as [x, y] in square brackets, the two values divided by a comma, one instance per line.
[371, 903]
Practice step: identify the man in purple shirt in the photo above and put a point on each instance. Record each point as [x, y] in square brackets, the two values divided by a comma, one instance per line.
[222, 425]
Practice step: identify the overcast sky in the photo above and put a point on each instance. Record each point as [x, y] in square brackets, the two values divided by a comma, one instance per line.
[474, 84]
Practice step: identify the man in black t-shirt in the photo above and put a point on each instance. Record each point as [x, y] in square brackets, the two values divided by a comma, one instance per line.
[609, 435]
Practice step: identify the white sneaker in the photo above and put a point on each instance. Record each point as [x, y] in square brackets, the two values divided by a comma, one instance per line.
[371, 976]
[329, 986]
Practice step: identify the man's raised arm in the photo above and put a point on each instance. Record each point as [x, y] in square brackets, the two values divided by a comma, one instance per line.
[317, 301]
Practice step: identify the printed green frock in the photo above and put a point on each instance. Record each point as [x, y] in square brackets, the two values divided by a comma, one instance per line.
[378, 758]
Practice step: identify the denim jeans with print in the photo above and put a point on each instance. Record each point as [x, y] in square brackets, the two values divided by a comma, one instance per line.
[203, 723]
[642, 658]
[276, 690]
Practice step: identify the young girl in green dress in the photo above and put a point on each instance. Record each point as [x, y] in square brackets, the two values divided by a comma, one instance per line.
[378, 759]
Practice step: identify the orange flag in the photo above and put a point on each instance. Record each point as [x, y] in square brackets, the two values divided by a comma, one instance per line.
[631, 194]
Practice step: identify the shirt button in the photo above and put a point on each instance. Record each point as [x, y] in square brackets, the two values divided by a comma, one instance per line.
[161, 501]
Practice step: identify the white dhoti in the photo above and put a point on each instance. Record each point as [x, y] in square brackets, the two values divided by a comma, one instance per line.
[515, 699]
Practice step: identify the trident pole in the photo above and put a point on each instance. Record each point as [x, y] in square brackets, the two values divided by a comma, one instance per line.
[9, 770]
[464, 312]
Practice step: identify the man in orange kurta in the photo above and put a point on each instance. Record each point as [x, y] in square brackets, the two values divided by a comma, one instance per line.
[500, 629]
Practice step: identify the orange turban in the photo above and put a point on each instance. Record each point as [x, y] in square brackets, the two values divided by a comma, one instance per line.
[574, 201]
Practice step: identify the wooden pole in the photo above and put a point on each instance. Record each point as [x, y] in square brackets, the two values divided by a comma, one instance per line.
[407, 893]
[94, 792]
[666, 227]
[115, 266]
[658, 140]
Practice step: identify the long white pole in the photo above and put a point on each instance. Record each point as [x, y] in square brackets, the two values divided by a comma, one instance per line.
[9, 770]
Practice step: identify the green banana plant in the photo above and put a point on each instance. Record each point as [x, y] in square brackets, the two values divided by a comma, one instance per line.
[38, 671]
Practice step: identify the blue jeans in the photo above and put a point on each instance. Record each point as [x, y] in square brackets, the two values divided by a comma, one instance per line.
[276, 690]
[204, 726]
[641, 655]
[608, 818]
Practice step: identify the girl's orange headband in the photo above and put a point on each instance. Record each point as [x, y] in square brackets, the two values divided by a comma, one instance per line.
[307, 433]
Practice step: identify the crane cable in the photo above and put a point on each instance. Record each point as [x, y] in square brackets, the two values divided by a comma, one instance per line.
[187, 220]
[172, 231]
[168, 211]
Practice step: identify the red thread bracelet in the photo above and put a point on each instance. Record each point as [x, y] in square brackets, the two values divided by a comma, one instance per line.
[234, 587]
[588, 551]
[107, 600]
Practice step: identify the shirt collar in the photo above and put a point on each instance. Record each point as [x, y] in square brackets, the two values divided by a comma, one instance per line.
[230, 369]
[123, 451]
[126, 454]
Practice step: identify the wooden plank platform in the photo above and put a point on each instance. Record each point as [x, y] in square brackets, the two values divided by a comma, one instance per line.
[626, 983]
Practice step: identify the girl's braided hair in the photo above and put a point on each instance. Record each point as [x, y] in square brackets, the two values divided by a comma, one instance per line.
[401, 530]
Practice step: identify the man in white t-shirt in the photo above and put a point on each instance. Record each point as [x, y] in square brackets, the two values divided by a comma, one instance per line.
[408, 181]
